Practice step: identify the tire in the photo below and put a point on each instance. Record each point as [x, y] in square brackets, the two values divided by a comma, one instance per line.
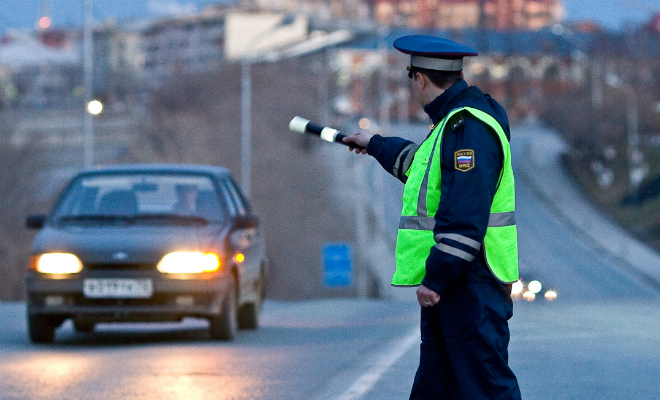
[225, 325]
[83, 327]
[41, 328]
[248, 314]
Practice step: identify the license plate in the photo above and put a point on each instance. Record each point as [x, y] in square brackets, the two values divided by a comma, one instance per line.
[117, 288]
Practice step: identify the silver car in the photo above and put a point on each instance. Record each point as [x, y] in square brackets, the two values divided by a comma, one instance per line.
[135, 243]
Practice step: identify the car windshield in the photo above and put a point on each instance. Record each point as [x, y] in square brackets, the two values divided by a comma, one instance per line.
[142, 198]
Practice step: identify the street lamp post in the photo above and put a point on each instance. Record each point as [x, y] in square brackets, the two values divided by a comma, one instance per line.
[636, 169]
[88, 81]
[246, 125]
[246, 103]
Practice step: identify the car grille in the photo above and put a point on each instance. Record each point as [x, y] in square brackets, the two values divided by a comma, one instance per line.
[156, 300]
[121, 267]
[159, 299]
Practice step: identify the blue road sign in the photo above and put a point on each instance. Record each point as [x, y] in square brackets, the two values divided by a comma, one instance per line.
[337, 266]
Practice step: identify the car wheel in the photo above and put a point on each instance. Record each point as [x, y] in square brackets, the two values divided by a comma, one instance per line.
[224, 325]
[41, 328]
[83, 327]
[248, 314]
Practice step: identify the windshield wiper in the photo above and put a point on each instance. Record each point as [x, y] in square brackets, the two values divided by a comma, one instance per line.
[173, 218]
[95, 217]
[176, 218]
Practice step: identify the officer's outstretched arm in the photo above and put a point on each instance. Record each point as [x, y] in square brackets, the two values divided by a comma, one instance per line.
[394, 154]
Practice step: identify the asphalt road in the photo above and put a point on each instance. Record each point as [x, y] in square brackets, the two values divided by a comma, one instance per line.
[599, 339]
[299, 350]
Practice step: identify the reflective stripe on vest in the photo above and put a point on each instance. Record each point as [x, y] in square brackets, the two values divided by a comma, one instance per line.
[428, 223]
[421, 201]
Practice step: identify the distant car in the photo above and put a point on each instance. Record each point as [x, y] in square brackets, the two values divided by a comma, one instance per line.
[136, 243]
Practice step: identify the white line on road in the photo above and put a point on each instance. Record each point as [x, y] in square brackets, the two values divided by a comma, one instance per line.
[367, 381]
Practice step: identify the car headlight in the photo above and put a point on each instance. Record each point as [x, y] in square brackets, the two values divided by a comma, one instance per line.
[57, 263]
[534, 287]
[517, 287]
[188, 262]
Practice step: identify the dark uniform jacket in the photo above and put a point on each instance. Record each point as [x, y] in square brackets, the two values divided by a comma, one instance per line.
[466, 197]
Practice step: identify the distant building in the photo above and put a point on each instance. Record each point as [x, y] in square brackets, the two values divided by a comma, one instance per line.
[324, 9]
[192, 43]
[23, 49]
[425, 14]
[459, 14]
[118, 62]
[43, 69]
[249, 33]
[324, 14]
[519, 68]
[204, 41]
[37, 73]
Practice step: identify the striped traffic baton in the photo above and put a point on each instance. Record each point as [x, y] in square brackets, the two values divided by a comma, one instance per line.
[302, 125]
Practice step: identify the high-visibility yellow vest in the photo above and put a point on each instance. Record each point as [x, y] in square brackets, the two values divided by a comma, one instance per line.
[421, 201]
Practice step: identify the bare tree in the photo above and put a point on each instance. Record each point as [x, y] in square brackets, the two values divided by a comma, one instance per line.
[20, 186]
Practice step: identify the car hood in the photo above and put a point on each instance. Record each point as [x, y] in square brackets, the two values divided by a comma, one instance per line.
[127, 244]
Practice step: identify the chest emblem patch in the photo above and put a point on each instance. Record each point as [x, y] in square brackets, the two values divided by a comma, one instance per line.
[464, 160]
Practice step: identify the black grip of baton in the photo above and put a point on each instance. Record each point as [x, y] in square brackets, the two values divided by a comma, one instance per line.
[341, 136]
[314, 128]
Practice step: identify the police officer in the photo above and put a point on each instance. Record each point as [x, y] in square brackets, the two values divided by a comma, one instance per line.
[457, 235]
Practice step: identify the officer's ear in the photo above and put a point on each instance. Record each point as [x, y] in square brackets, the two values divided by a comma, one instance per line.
[422, 78]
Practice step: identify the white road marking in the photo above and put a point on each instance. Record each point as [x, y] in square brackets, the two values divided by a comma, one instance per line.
[367, 381]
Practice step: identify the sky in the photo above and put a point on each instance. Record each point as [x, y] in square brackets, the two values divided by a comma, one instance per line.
[22, 14]
[612, 14]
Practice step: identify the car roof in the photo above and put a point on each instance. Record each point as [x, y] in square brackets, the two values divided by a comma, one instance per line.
[158, 168]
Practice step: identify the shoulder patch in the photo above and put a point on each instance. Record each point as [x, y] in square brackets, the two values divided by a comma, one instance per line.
[464, 160]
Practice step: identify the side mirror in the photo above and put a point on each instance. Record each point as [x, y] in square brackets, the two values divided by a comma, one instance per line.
[35, 221]
[246, 221]
[244, 231]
